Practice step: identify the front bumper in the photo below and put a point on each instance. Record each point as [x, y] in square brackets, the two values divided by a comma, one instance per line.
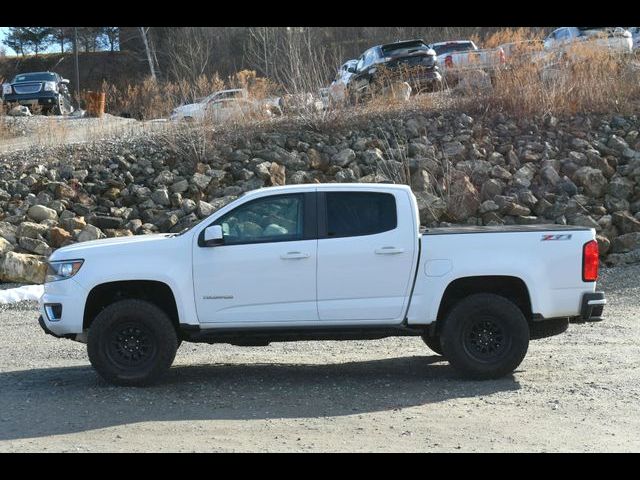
[41, 98]
[592, 307]
[70, 297]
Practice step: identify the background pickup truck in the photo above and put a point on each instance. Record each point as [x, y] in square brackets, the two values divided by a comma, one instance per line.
[464, 54]
[322, 261]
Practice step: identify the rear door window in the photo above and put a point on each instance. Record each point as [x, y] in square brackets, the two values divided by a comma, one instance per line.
[351, 214]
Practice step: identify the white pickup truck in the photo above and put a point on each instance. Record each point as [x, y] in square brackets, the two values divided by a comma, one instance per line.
[464, 54]
[319, 262]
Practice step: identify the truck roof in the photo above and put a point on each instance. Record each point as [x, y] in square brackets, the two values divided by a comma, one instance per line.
[335, 186]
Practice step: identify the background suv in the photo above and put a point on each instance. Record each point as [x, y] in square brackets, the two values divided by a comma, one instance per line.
[411, 61]
[47, 89]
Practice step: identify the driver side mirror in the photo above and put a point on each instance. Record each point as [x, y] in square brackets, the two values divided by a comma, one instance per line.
[65, 81]
[213, 236]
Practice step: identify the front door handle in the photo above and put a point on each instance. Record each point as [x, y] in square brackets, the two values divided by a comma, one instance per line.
[389, 251]
[294, 255]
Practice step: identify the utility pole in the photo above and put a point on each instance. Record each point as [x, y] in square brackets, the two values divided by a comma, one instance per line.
[75, 51]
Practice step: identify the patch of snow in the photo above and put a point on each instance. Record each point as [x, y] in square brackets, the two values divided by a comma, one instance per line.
[27, 292]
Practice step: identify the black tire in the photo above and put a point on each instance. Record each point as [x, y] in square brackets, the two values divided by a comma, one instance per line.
[433, 342]
[485, 336]
[132, 343]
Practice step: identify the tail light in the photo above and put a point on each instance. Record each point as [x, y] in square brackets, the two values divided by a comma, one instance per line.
[448, 61]
[590, 254]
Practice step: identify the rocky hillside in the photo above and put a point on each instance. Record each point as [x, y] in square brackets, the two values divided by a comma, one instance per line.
[582, 170]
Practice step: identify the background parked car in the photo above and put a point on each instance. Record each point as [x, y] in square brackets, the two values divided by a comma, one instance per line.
[225, 104]
[198, 110]
[338, 92]
[46, 89]
[411, 61]
[635, 36]
[618, 39]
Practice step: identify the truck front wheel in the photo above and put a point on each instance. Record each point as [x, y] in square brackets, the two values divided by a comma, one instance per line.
[132, 343]
[433, 342]
[485, 336]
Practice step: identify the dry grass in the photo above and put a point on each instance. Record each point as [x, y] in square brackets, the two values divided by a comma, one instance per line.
[150, 99]
[579, 79]
[534, 82]
[511, 35]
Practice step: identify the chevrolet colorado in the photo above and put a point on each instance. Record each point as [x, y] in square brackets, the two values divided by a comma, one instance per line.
[318, 262]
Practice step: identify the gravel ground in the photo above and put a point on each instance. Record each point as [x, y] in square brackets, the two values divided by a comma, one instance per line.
[579, 391]
[44, 131]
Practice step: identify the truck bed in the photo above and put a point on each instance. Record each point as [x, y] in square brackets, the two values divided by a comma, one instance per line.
[501, 229]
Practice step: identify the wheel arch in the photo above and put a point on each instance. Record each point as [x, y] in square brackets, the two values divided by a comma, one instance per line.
[510, 287]
[153, 291]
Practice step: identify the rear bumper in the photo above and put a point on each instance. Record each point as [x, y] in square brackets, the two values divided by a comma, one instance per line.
[592, 307]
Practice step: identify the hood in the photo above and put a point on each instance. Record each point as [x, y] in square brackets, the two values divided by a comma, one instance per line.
[106, 245]
[189, 108]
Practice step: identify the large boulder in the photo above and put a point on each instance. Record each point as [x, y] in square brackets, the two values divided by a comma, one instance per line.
[8, 232]
[626, 243]
[343, 157]
[592, 180]
[5, 246]
[90, 232]
[430, 207]
[34, 245]
[277, 174]
[22, 268]
[40, 213]
[59, 237]
[626, 222]
[463, 199]
[620, 187]
[31, 230]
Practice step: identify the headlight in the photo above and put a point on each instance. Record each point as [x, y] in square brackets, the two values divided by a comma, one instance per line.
[62, 270]
[6, 89]
[50, 87]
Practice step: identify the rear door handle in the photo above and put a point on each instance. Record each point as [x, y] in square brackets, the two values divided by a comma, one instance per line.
[294, 255]
[389, 251]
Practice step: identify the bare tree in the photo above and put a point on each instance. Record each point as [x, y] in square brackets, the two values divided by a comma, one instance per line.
[292, 56]
[262, 48]
[190, 52]
[150, 59]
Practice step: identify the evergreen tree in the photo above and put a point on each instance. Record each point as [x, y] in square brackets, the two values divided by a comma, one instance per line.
[38, 38]
[16, 39]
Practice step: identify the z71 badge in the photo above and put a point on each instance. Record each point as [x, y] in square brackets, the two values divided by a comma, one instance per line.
[564, 236]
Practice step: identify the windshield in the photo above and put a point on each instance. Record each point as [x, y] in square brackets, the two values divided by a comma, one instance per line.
[35, 77]
[452, 47]
[223, 95]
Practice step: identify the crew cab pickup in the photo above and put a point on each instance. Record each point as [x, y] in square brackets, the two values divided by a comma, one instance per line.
[321, 262]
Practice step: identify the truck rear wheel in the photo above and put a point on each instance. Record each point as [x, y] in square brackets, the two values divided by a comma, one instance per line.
[485, 336]
[433, 342]
[132, 343]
